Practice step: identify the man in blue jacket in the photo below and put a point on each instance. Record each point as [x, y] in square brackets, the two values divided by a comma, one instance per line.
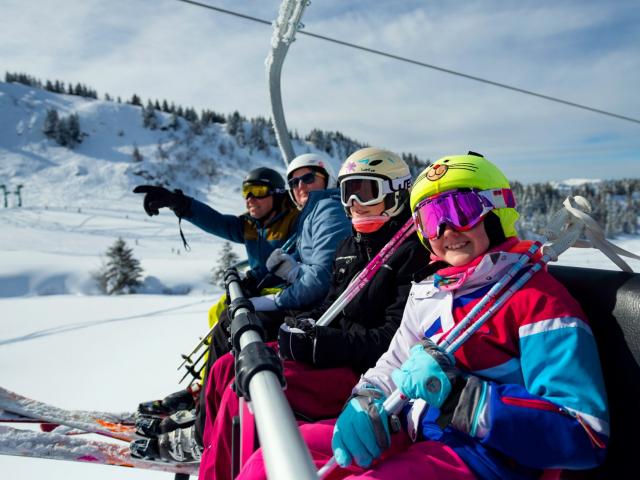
[266, 225]
[322, 224]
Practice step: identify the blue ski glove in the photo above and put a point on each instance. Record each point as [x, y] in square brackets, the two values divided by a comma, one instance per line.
[362, 430]
[296, 338]
[282, 265]
[429, 373]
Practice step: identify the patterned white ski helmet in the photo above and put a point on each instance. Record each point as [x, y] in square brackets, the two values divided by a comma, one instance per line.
[391, 170]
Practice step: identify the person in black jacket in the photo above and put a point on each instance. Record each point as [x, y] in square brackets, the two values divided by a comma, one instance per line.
[323, 363]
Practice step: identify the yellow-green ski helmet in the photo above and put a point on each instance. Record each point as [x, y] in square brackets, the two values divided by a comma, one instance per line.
[463, 171]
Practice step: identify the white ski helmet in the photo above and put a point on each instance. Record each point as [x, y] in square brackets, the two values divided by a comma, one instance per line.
[371, 175]
[315, 161]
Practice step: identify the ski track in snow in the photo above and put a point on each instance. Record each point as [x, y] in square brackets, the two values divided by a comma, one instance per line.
[56, 330]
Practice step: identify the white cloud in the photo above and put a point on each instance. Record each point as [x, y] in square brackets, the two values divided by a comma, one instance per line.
[579, 51]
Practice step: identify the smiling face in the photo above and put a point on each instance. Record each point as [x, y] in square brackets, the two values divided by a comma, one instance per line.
[259, 208]
[301, 190]
[361, 211]
[459, 248]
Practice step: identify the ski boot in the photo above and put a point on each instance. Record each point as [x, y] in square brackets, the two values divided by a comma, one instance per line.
[172, 438]
[180, 400]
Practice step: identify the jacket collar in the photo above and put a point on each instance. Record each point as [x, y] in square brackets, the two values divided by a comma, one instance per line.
[484, 269]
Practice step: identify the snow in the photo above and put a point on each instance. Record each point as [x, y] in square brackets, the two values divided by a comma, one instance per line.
[573, 182]
[62, 342]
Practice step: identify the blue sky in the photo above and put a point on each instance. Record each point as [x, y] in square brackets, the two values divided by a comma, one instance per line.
[586, 52]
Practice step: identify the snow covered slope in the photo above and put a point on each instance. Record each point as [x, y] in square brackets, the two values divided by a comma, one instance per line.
[59, 340]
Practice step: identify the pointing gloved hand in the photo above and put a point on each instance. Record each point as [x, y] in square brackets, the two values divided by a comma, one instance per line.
[362, 430]
[282, 265]
[429, 373]
[160, 197]
[295, 339]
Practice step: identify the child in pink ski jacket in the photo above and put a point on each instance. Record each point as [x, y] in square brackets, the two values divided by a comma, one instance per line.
[523, 395]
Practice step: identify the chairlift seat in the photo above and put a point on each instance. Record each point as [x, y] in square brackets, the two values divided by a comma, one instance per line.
[611, 301]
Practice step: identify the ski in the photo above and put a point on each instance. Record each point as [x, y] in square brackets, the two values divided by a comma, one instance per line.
[119, 426]
[48, 445]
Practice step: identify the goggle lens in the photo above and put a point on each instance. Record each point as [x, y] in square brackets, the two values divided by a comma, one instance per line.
[307, 178]
[460, 210]
[364, 191]
[256, 191]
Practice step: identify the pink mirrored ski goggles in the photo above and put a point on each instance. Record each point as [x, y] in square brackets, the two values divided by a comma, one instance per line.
[461, 210]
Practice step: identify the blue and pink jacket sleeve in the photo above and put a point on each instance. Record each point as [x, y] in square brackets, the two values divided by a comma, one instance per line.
[558, 416]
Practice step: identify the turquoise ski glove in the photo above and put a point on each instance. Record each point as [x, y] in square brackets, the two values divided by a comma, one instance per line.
[362, 430]
[429, 373]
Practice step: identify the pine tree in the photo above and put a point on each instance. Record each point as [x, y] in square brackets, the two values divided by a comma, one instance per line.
[135, 100]
[136, 155]
[51, 123]
[73, 125]
[122, 272]
[227, 258]
[61, 135]
[149, 119]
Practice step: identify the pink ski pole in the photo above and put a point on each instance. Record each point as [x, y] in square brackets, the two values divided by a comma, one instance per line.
[367, 273]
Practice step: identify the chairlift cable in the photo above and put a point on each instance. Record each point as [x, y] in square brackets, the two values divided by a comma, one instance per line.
[422, 64]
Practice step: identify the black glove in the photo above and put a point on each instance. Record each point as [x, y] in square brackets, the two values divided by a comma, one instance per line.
[249, 284]
[295, 339]
[160, 197]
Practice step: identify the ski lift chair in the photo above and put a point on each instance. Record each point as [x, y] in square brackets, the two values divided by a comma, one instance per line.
[611, 301]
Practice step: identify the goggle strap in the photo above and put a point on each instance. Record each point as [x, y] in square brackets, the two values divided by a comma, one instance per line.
[499, 198]
[395, 184]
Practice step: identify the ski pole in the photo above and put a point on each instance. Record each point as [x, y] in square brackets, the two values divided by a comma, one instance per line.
[203, 340]
[193, 368]
[286, 248]
[367, 273]
[187, 358]
[491, 294]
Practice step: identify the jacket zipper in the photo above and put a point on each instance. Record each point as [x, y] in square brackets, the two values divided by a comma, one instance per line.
[549, 407]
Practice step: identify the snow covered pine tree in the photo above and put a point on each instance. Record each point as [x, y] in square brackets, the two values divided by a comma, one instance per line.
[227, 258]
[122, 272]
